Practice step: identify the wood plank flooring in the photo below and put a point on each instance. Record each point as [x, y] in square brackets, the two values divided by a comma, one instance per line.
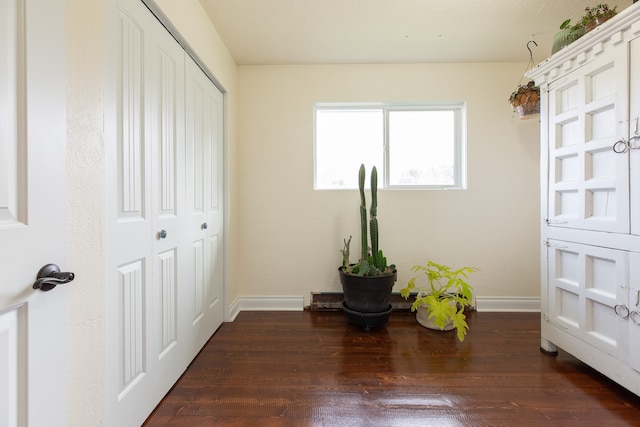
[312, 369]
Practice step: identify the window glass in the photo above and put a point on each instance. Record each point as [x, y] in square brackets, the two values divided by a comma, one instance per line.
[344, 140]
[412, 146]
[422, 148]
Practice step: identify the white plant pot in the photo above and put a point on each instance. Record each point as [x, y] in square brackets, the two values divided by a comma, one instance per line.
[422, 316]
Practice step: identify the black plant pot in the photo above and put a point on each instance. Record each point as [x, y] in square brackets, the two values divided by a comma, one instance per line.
[367, 300]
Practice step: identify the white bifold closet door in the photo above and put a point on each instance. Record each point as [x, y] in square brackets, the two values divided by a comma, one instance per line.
[164, 204]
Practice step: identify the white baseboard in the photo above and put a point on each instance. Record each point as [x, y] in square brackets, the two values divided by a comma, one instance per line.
[296, 303]
[265, 303]
[531, 304]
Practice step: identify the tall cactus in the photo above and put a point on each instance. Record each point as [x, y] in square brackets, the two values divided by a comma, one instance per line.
[373, 221]
[373, 264]
[363, 216]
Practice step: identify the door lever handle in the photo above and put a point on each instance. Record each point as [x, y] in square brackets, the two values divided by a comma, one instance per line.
[50, 276]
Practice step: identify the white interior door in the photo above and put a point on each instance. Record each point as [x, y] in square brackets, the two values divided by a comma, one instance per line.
[33, 349]
[203, 313]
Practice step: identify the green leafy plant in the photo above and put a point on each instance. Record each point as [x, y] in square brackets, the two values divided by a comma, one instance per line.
[599, 12]
[593, 17]
[372, 263]
[445, 294]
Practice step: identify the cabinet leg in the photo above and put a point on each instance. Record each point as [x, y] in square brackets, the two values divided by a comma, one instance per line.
[547, 347]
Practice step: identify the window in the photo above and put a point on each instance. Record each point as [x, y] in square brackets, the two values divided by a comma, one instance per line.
[412, 146]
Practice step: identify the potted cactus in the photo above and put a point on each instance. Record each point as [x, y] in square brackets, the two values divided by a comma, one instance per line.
[367, 284]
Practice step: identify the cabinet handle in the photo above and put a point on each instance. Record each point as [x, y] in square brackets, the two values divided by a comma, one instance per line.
[621, 310]
[162, 234]
[556, 221]
[635, 316]
[620, 147]
[554, 246]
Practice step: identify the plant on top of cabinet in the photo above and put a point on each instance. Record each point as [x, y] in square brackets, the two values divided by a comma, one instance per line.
[440, 303]
[568, 34]
[597, 15]
[367, 284]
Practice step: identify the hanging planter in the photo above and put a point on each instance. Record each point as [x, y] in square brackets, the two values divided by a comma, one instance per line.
[525, 100]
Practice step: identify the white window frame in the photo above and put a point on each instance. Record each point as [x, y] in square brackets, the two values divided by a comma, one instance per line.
[460, 139]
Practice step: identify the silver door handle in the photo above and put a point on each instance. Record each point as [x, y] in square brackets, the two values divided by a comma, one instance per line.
[50, 276]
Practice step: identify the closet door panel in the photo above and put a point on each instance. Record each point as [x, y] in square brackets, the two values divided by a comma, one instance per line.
[204, 133]
[129, 228]
[165, 118]
[145, 181]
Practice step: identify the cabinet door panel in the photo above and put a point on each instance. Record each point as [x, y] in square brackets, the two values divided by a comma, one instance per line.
[588, 182]
[634, 132]
[634, 314]
[586, 283]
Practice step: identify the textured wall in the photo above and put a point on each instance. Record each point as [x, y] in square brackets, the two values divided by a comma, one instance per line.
[85, 211]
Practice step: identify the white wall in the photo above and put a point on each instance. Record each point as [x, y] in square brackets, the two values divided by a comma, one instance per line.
[86, 171]
[85, 211]
[290, 235]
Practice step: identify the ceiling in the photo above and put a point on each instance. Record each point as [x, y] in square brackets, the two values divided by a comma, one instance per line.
[259, 32]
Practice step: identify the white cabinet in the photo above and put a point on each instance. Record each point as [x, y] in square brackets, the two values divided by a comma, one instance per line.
[590, 205]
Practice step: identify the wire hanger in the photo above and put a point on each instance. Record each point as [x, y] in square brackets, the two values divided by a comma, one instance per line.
[531, 63]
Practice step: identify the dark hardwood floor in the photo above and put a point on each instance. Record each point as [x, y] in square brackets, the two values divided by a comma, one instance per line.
[312, 369]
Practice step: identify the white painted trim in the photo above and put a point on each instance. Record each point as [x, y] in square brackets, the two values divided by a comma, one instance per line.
[522, 304]
[265, 303]
[232, 310]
